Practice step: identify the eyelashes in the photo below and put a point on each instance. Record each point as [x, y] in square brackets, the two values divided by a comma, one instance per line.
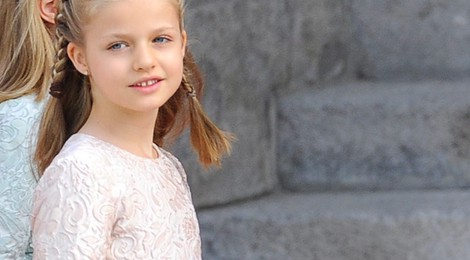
[157, 40]
[162, 39]
[117, 46]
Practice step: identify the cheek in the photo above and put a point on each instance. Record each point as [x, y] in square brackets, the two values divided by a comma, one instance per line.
[105, 78]
[178, 75]
[108, 70]
[178, 67]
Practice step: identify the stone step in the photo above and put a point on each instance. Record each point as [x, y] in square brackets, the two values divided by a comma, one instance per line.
[411, 225]
[412, 39]
[355, 136]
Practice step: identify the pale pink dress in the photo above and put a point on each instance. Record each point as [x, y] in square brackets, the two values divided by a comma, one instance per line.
[97, 201]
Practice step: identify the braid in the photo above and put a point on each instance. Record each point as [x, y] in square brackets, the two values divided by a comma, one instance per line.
[52, 131]
[61, 58]
[206, 138]
[59, 69]
[65, 114]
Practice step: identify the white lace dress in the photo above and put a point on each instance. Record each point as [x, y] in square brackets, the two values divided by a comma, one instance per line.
[97, 201]
[18, 125]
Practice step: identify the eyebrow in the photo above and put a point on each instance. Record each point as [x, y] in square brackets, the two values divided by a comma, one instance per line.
[118, 35]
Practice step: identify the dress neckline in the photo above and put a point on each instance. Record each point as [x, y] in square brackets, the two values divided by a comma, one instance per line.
[121, 150]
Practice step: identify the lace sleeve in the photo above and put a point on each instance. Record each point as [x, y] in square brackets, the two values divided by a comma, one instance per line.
[17, 181]
[73, 213]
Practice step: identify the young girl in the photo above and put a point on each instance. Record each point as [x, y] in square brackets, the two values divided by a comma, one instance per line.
[26, 59]
[123, 83]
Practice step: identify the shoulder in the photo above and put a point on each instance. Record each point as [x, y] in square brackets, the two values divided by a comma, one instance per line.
[81, 151]
[174, 162]
[86, 148]
[80, 159]
[19, 119]
[22, 107]
[79, 193]
[81, 171]
[20, 115]
[167, 155]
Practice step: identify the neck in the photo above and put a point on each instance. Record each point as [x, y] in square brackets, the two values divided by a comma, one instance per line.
[131, 131]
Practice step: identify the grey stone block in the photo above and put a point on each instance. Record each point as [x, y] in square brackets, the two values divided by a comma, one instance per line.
[341, 226]
[283, 44]
[375, 136]
[413, 39]
[304, 42]
[321, 42]
[228, 41]
[241, 46]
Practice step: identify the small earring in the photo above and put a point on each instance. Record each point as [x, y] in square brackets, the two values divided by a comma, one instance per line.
[85, 73]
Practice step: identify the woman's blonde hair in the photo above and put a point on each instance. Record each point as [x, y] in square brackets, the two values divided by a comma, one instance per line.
[66, 114]
[26, 52]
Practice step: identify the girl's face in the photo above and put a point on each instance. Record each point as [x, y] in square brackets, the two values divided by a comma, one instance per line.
[133, 53]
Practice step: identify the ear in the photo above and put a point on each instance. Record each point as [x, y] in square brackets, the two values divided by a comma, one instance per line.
[77, 56]
[184, 37]
[48, 10]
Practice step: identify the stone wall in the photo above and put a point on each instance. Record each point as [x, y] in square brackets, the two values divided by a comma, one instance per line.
[242, 65]
[327, 96]
[412, 39]
[259, 56]
[376, 136]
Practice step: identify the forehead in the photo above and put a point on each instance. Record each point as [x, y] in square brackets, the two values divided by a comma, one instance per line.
[97, 8]
[133, 15]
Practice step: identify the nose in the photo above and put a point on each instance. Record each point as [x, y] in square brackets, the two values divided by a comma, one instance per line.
[144, 58]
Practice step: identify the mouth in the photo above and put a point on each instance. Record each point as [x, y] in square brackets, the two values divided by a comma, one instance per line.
[146, 83]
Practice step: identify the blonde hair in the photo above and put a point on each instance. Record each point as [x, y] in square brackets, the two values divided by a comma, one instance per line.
[66, 114]
[26, 53]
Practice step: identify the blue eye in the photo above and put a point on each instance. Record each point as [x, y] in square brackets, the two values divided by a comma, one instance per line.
[161, 40]
[117, 46]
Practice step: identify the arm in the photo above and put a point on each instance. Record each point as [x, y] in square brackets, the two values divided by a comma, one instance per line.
[73, 213]
[17, 182]
[14, 224]
[16, 189]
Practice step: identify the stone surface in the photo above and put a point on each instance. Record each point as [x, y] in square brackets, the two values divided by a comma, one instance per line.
[264, 56]
[375, 136]
[242, 65]
[250, 50]
[321, 42]
[341, 226]
[247, 50]
[412, 39]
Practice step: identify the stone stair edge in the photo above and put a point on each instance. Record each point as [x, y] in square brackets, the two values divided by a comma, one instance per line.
[337, 203]
[429, 225]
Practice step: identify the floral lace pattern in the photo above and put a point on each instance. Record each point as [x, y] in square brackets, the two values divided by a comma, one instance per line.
[97, 201]
[18, 120]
